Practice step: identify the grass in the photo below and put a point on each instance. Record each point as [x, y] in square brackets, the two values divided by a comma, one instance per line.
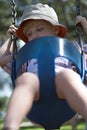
[80, 126]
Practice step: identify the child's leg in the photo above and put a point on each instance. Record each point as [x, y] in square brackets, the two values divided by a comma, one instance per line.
[70, 87]
[26, 91]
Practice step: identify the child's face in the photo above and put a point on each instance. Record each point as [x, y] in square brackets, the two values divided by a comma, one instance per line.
[39, 28]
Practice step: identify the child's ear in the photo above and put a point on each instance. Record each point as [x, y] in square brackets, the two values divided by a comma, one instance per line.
[56, 30]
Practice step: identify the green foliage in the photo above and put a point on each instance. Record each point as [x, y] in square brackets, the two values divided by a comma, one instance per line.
[80, 126]
[3, 103]
[65, 9]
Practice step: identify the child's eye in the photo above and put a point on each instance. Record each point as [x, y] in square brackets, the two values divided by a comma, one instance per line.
[40, 29]
[28, 34]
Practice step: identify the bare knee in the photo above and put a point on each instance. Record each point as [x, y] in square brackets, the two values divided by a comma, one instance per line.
[65, 81]
[30, 82]
[68, 75]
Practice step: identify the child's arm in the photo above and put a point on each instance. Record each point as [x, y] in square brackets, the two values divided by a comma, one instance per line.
[5, 55]
[6, 51]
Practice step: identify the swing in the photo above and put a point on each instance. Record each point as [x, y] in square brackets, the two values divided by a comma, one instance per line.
[50, 111]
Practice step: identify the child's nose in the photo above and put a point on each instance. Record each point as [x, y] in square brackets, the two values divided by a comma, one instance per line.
[34, 36]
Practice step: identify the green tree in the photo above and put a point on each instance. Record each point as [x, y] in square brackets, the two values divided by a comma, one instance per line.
[65, 9]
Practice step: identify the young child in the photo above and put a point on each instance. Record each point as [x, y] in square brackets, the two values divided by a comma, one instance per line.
[37, 21]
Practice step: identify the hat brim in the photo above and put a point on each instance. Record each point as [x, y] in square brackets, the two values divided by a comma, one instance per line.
[20, 34]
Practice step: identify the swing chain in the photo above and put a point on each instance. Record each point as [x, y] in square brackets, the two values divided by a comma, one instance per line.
[14, 37]
[79, 28]
[14, 13]
[78, 7]
[79, 31]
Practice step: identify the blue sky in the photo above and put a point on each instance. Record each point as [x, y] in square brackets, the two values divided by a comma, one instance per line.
[6, 80]
[6, 91]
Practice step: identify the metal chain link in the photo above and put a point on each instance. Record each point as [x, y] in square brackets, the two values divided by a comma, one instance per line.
[14, 13]
[14, 37]
[78, 7]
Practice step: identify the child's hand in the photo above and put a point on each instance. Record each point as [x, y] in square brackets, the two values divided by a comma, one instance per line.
[12, 30]
[83, 22]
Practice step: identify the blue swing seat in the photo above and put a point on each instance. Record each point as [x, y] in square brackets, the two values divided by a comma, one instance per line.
[50, 111]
